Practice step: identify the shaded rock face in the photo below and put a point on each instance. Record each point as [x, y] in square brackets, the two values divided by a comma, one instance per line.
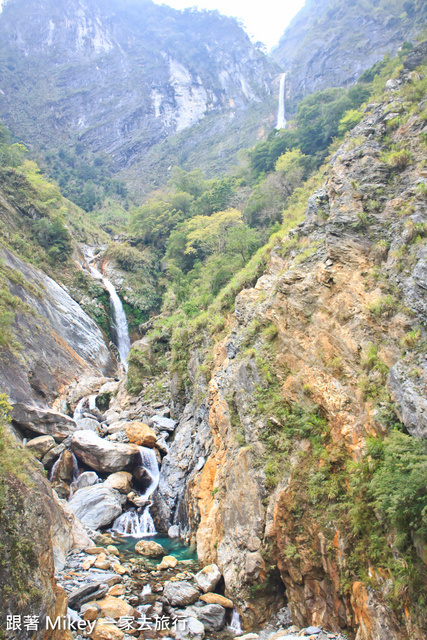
[327, 311]
[37, 533]
[133, 82]
[59, 340]
[97, 506]
[331, 44]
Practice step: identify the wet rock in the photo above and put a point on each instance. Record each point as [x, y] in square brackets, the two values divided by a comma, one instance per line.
[121, 481]
[103, 455]
[40, 446]
[312, 631]
[101, 562]
[180, 594]
[208, 578]
[174, 531]
[65, 468]
[215, 598]
[140, 434]
[52, 455]
[149, 549]
[86, 479]
[88, 424]
[96, 506]
[112, 550]
[43, 421]
[117, 590]
[248, 636]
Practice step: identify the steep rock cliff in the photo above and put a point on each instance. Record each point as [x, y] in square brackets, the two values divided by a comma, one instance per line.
[331, 44]
[260, 467]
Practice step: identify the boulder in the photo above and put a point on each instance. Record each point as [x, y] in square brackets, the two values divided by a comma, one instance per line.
[96, 506]
[212, 616]
[104, 455]
[76, 597]
[149, 548]
[215, 598]
[117, 590]
[64, 470]
[121, 481]
[112, 607]
[86, 479]
[140, 434]
[180, 594]
[43, 421]
[104, 630]
[208, 578]
[168, 562]
[52, 455]
[192, 630]
[164, 424]
[40, 446]
[88, 424]
[174, 531]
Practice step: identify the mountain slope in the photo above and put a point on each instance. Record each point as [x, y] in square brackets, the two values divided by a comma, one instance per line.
[330, 44]
[121, 76]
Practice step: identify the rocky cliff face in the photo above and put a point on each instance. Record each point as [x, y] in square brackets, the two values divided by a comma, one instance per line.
[121, 76]
[300, 383]
[331, 44]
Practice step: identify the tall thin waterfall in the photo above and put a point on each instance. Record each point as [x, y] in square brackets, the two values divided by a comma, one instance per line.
[120, 321]
[138, 522]
[281, 119]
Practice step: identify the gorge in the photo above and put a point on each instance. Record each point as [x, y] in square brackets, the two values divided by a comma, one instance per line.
[213, 412]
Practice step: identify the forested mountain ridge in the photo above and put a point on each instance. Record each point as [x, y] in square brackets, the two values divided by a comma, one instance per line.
[119, 77]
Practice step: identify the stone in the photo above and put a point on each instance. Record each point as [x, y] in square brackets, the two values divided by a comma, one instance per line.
[102, 562]
[117, 590]
[194, 630]
[208, 578]
[174, 531]
[88, 424]
[96, 506]
[119, 569]
[106, 631]
[43, 421]
[91, 612]
[112, 550]
[95, 551]
[104, 455]
[212, 616]
[65, 468]
[52, 455]
[180, 594]
[248, 636]
[88, 563]
[114, 607]
[140, 434]
[309, 631]
[121, 481]
[215, 598]
[85, 479]
[40, 446]
[75, 597]
[168, 562]
[149, 548]
[164, 423]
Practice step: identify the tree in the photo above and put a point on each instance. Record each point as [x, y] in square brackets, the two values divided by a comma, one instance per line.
[243, 240]
[208, 233]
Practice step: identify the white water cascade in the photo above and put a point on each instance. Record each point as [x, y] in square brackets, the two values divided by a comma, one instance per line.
[120, 321]
[235, 626]
[133, 522]
[281, 118]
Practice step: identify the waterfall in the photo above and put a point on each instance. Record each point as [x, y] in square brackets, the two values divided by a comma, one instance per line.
[120, 321]
[133, 522]
[78, 411]
[235, 623]
[281, 119]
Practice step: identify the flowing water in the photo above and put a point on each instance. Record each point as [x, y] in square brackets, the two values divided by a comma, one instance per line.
[119, 316]
[281, 119]
[138, 523]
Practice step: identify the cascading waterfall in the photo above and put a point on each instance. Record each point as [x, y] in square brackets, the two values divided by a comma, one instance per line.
[132, 522]
[235, 623]
[281, 119]
[78, 411]
[120, 321]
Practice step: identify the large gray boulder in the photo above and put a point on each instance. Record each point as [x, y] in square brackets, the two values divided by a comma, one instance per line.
[180, 594]
[104, 455]
[208, 578]
[40, 446]
[97, 506]
[86, 479]
[212, 616]
[43, 421]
